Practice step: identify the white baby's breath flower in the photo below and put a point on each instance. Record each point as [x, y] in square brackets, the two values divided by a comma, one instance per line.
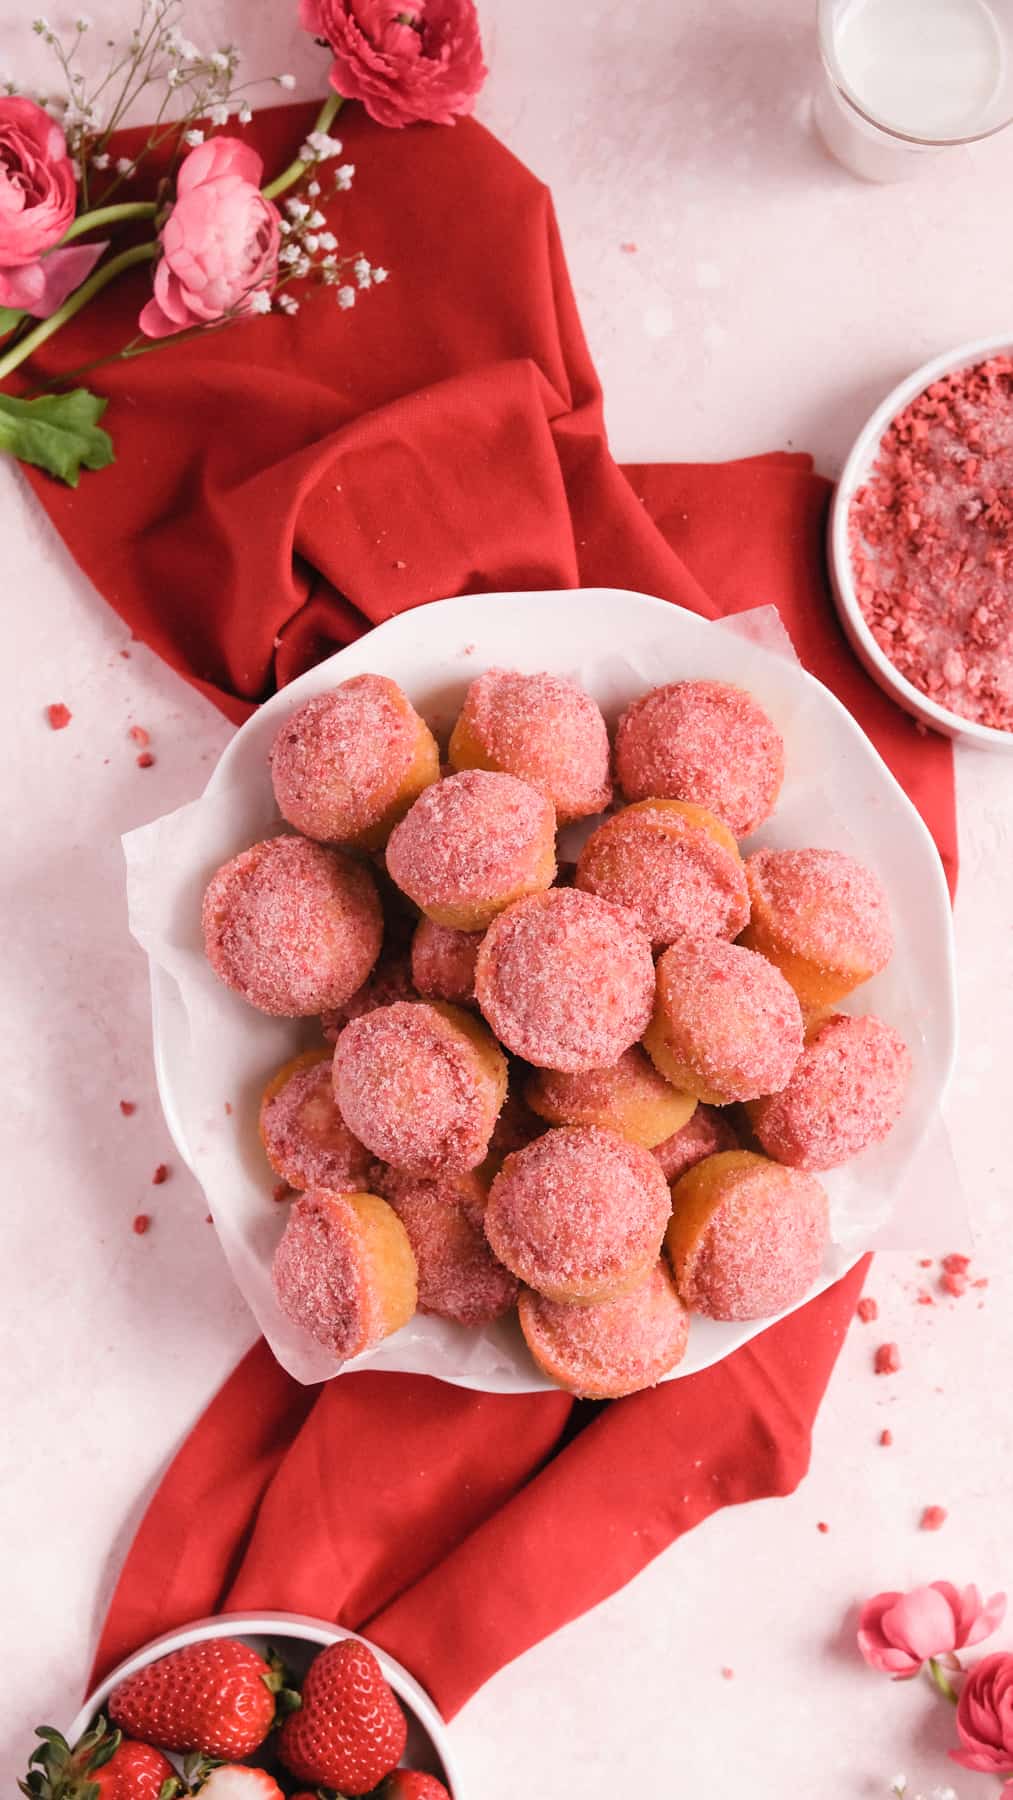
[361, 271]
[193, 138]
[219, 59]
[83, 22]
[316, 219]
[75, 168]
[101, 161]
[343, 176]
[346, 298]
[312, 242]
[313, 188]
[175, 78]
[286, 81]
[245, 114]
[297, 209]
[328, 241]
[380, 276]
[124, 166]
[330, 274]
[319, 147]
[219, 113]
[260, 302]
[328, 262]
[302, 268]
[289, 253]
[41, 26]
[288, 304]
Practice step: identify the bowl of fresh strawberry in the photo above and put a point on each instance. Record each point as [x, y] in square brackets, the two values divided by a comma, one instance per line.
[267, 1707]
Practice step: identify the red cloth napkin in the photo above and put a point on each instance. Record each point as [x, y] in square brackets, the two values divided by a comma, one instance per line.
[279, 487]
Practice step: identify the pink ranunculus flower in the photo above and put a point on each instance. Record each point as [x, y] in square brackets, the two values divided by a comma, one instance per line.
[422, 60]
[219, 243]
[985, 1717]
[38, 198]
[897, 1633]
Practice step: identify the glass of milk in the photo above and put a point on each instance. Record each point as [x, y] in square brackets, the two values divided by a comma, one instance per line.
[905, 80]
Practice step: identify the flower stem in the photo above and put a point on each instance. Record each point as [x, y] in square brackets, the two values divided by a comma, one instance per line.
[941, 1681]
[87, 291]
[296, 170]
[109, 215]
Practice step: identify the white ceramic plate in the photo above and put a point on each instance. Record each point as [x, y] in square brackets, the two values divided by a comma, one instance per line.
[856, 470]
[211, 1050]
[297, 1640]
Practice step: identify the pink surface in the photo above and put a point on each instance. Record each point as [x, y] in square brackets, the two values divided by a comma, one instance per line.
[770, 301]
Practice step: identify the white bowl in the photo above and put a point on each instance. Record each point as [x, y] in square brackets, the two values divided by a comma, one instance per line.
[298, 1640]
[213, 1053]
[856, 469]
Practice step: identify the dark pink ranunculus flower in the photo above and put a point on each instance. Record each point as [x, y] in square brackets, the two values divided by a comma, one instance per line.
[985, 1717]
[219, 243]
[38, 199]
[417, 61]
[897, 1633]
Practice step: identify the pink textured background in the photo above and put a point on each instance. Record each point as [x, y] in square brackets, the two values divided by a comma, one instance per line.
[770, 301]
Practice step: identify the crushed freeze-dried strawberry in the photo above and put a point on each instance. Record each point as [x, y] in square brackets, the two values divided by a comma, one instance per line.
[955, 1264]
[924, 1298]
[728, 1674]
[821, 1525]
[128, 1107]
[208, 1219]
[886, 1436]
[629, 249]
[142, 1223]
[954, 1282]
[161, 1174]
[925, 1262]
[228, 1108]
[933, 1517]
[887, 1359]
[867, 1309]
[139, 735]
[58, 715]
[145, 760]
[982, 1282]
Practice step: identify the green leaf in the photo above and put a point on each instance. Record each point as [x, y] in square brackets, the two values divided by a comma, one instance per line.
[105, 1752]
[9, 317]
[57, 432]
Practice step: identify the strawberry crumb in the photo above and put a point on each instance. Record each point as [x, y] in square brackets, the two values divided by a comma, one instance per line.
[280, 1191]
[142, 1223]
[728, 1674]
[954, 1264]
[59, 716]
[867, 1309]
[886, 1437]
[925, 1298]
[954, 1282]
[208, 1219]
[982, 1282]
[887, 1359]
[139, 735]
[228, 1108]
[125, 653]
[161, 1174]
[128, 1108]
[933, 1518]
[145, 760]
[925, 1262]
[628, 249]
[821, 1525]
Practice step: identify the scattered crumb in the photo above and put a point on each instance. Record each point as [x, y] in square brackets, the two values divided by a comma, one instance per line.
[208, 1219]
[139, 735]
[128, 1108]
[628, 249]
[867, 1310]
[954, 1282]
[955, 1264]
[933, 1518]
[925, 1298]
[58, 715]
[982, 1282]
[727, 1674]
[126, 654]
[886, 1437]
[142, 1223]
[398, 564]
[887, 1359]
[469, 650]
[161, 1174]
[925, 1262]
[821, 1525]
[228, 1108]
[145, 760]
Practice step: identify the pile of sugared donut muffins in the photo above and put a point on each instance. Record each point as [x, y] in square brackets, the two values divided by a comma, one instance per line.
[599, 1095]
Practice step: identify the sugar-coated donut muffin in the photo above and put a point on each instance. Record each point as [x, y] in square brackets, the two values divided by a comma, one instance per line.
[578, 1215]
[747, 1237]
[543, 728]
[421, 1085]
[472, 844]
[822, 917]
[726, 1025]
[615, 1347]
[630, 1097]
[459, 1277]
[388, 981]
[565, 980]
[291, 926]
[304, 1136]
[674, 865]
[443, 962]
[348, 764]
[707, 1132]
[846, 1092]
[704, 741]
[516, 1126]
[344, 1270]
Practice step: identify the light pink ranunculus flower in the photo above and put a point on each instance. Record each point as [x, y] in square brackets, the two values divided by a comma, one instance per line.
[897, 1633]
[985, 1717]
[219, 243]
[38, 198]
[420, 61]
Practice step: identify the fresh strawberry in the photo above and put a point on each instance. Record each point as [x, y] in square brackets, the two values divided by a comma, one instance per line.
[411, 1784]
[102, 1765]
[235, 1781]
[216, 1697]
[350, 1731]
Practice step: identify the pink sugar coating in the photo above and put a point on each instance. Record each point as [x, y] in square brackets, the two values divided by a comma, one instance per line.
[762, 1248]
[469, 838]
[412, 1087]
[706, 1133]
[730, 1016]
[443, 962]
[931, 539]
[704, 741]
[546, 730]
[578, 1208]
[614, 1347]
[307, 1140]
[846, 1092]
[633, 1077]
[389, 981]
[321, 1278]
[671, 874]
[823, 905]
[338, 761]
[459, 1277]
[291, 926]
[566, 980]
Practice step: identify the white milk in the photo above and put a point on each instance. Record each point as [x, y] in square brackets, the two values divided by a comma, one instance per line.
[931, 68]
